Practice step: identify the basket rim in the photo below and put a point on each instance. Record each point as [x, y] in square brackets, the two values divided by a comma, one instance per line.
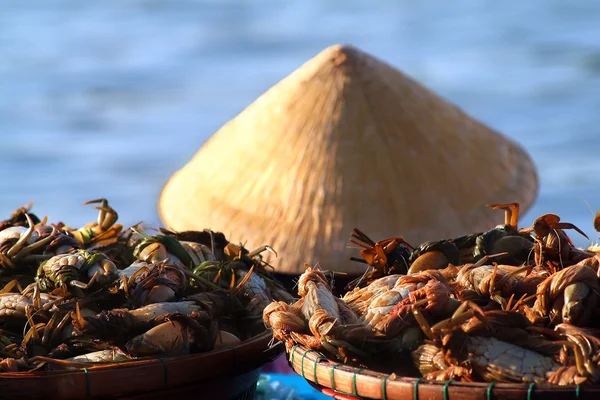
[245, 345]
[351, 382]
[139, 376]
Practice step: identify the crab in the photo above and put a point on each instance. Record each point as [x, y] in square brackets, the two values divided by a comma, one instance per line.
[104, 230]
[17, 244]
[386, 257]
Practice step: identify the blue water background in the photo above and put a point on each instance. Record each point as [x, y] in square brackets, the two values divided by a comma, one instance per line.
[110, 98]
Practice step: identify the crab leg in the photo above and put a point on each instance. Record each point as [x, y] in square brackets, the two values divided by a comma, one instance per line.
[10, 286]
[23, 239]
[61, 325]
[34, 246]
[358, 234]
[511, 216]
[266, 247]
[568, 225]
[46, 335]
[460, 315]
[420, 318]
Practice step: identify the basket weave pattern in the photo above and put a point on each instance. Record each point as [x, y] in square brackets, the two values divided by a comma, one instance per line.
[346, 382]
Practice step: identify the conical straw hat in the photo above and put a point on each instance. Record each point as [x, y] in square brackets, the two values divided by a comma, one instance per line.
[347, 141]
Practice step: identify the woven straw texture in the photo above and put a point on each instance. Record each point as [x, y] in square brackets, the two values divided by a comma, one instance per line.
[347, 141]
[344, 382]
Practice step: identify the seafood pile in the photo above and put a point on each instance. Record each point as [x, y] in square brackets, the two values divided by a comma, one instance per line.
[104, 294]
[506, 305]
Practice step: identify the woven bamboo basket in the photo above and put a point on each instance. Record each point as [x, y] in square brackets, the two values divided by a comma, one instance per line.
[227, 373]
[345, 382]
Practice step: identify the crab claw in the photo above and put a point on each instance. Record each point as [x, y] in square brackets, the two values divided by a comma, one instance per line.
[261, 249]
[544, 224]
[107, 215]
[568, 225]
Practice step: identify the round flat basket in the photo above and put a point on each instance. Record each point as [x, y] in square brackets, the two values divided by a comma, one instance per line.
[345, 382]
[227, 373]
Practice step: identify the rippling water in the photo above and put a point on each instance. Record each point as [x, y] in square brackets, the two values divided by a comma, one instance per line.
[108, 99]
